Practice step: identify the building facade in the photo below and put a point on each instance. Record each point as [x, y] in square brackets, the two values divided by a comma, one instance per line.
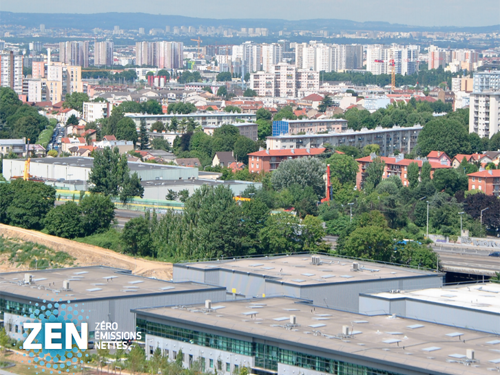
[487, 181]
[103, 53]
[484, 113]
[269, 160]
[314, 126]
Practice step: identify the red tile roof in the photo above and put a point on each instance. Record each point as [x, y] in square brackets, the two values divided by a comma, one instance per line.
[313, 98]
[67, 140]
[436, 154]
[404, 162]
[461, 157]
[486, 173]
[292, 152]
[109, 138]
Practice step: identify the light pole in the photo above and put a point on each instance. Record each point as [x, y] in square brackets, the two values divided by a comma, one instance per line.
[350, 211]
[484, 209]
[427, 219]
[461, 213]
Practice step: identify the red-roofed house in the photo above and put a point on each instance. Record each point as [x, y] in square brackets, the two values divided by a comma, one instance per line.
[236, 166]
[67, 143]
[109, 138]
[269, 160]
[64, 114]
[487, 181]
[394, 166]
[439, 157]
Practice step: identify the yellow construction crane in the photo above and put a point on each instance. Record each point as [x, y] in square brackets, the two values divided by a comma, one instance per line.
[26, 175]
[199, 50]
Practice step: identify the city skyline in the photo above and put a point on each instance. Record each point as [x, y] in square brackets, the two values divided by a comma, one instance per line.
[444, 12]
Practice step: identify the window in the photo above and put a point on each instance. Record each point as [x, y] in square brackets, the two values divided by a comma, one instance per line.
[236, 369]
[174, 356]
[219, 364]
[211, 363]
[473, 178]
[257, 166]
[151, 349]
[473, 187]
[190, 360]
[480, 188]
[228, 367]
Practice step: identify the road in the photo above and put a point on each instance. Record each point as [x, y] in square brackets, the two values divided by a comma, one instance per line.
[470, 264]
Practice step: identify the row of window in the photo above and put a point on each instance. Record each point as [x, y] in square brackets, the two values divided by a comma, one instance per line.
[16, 308]
[266, 356]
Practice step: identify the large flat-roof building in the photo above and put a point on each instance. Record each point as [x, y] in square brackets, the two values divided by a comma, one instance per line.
[314, 126]
[203, 119]
[331, 282]
[289, 336]
[402, 139]
[474, 306]
[106, 294]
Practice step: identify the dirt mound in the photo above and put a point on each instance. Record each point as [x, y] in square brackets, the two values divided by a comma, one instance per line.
[87, 255]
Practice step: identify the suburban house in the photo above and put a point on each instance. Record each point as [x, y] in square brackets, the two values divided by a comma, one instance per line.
[269, 160]
[223, 159]
[488, 181]
[111, 142]
[394, 166]
[67, 143]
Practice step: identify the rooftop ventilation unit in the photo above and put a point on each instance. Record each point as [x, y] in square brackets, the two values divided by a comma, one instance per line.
[345, 330]
[208, 304]
[316, 260]
[293, 319]
[470, 354]
[66, 285]
[28, 278]
[355, 266]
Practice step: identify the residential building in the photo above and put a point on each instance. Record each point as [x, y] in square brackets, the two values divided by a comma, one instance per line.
[437, 57]
[307, 82]
[67, 143]
[439, 157]
[73, 79]
[484, 113]
[272, 54]
[103, 53]
[285, 76]
[313, 126]
[54, 91]
[486, 81]
[112, 142]
[347, 57]
[395, 166]
[163, 54]
[74, 53]
[402, 139]
[464, 84]
[16, 146]
[269, 160]
[11, 71]
[94, 111]
[381, 59]
[202, 118]
[35, 90]
[38, 69]
[223, 159]
[487, 181]
[263, 83]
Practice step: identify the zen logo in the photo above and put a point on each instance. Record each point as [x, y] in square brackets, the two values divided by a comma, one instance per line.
[52, 336]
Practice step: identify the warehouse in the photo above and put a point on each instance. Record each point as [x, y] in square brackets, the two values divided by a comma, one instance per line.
[106, 294]
[289, 336]
[473, 306]
[78, 168]
[327, 281]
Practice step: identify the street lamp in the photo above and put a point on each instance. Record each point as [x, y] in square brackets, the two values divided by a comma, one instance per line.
[461, 213]
[484, 209]
[427, 219]
[350, 210]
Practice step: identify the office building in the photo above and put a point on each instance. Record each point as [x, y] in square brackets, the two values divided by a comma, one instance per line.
[74, 53]
[326, 281]
[284, 335]
[11, 71]
[103, 53]
[484, 113]
[106, 294]
[402, 139]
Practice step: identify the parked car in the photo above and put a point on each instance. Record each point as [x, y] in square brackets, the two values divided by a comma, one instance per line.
[495, 254]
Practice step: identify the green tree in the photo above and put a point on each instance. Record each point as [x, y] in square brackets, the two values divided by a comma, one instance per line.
[371, 149]
[136, 237]
[28, 127]
[494, 143]
[30, 203]
[64, 221]
[136, 359]
[374, 173]
[281, 234]
[445, 135]
[249, 93]
[413, 173]
[207, 89]
[313, 233]
[131, 107]
[160, 144]
[4, 340]
[107, 171]
[98, 213]
[125, 130]
[242, 147]
[171, 195]
[264, 128]
[449, 180]
[144, 139]
[232, 108]
[183, 195]
[222, 91]
[343, 167]
[131, 187]
[263, 114]
[303, 171]
[157, 126]
[152, 107]
[425, 174]
[326, 102]
[72, 120]
[223, 77]
[370, 242]
[75, 100]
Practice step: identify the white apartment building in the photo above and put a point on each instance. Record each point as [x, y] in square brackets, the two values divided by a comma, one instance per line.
[438, 57]
[94, 111]
[486, 81]
[263, 83]
[285, 80]
[164, 55]
[380, 58]
[74, 79]
[34, 90]
[307, 82]
[484, 113]
[11, 71]
[74, 53]
[272, 54]
[103, 53]
[376, 59]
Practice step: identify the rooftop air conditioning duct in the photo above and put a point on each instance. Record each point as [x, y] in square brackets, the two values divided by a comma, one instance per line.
[28, 278]
[208, 304]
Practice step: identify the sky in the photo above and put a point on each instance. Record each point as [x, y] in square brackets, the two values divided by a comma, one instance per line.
[411, 12]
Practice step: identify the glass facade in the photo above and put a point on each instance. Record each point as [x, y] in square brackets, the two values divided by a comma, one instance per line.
[266, 356]
[16, 308]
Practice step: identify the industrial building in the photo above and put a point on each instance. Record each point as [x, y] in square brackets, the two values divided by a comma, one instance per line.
[327, 281]
[203, 119]
[106, 294]
[474, 306]
[402, 139]
[289, 336]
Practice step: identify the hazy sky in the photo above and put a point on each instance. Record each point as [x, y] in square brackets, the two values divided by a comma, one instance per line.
[412, 12]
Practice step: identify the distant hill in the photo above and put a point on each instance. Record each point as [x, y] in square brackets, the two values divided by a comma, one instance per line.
[136, 20]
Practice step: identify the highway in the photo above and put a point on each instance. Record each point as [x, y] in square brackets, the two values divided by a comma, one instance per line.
[470, 264]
